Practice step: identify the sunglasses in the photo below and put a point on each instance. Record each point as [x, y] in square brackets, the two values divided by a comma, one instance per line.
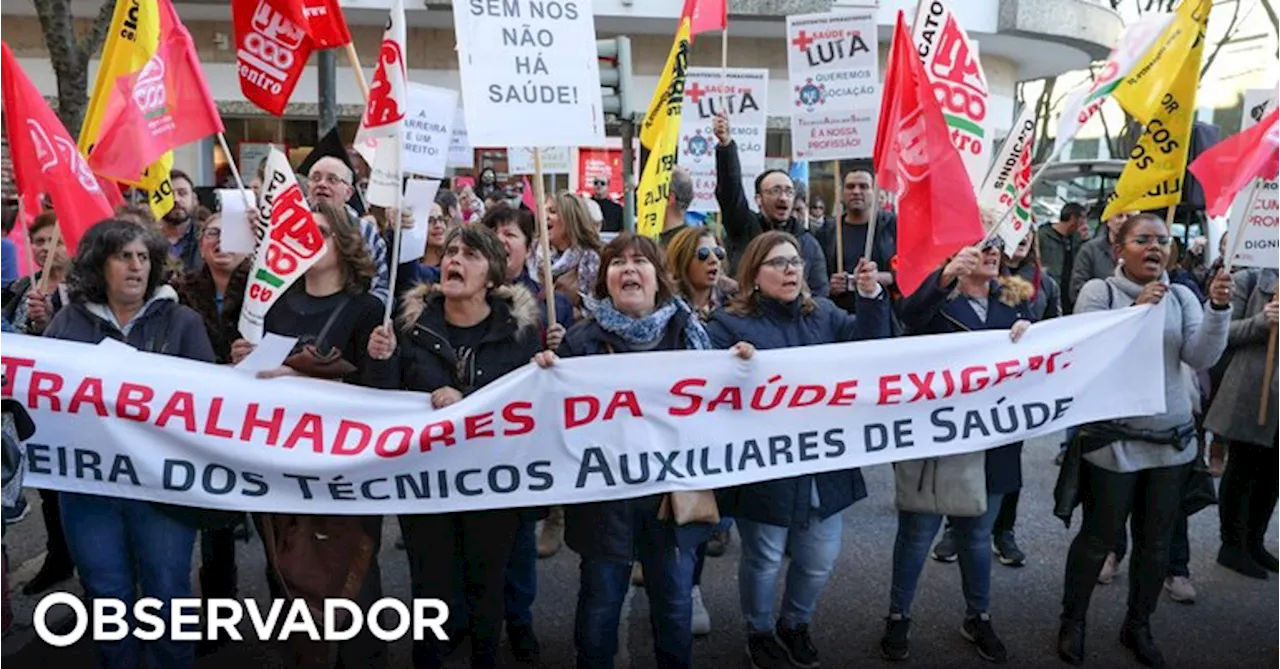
[996, 243]
[705, 252]
[600, 182]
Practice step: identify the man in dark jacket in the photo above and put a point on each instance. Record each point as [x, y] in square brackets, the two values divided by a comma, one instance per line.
[1060, 242]
[612, 211]
[179, 224]
[859, 206]
[774, 194]
[1097, 259]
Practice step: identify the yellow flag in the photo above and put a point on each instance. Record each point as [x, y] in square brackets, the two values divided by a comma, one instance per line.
[1153, 178]
[661, 132]
[132, 39]
[1143, 91]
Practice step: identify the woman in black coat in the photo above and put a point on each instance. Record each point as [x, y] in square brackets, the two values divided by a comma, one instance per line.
[773, 309]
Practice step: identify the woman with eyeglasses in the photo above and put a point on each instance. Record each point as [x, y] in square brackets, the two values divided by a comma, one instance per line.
[965, 294]
[1140, 465]
[773, 309]
[575, 249]
[438, 223]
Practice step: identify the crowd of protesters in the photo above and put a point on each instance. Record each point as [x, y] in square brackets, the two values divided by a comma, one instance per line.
[783, 275]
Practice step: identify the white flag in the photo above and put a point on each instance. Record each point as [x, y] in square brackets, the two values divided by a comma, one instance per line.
[1008, 179]
[381, 127]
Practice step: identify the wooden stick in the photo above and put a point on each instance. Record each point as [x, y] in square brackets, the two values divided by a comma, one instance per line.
[26, 234]
[1268, 370]
[544, 238]
[724, 64]
[235, 172]
[51, 259]
[835, 180]
[354, 59]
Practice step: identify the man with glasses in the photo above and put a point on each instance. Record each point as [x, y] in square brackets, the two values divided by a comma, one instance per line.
[612, 211]
[775, 193]
[1097, 259]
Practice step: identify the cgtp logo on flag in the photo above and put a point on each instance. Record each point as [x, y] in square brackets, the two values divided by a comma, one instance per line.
[47, 153]
[958, 83]
[270, 48]
[384, 103]
[913, 158]
[296, 231]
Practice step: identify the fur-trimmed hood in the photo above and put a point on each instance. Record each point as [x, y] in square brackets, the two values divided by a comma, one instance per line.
[518, 301]
[1015, 290]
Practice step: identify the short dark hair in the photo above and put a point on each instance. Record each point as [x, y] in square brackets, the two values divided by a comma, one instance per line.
[174, 175]
[765, 174]
[857, 170]
[1070, 210]
[484, 240]
[646, 247]
[87, 282]
[447, 201]
[1133, 221]
[501, 214]
[44, 220]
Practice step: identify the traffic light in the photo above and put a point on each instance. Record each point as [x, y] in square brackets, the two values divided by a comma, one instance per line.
[615, 76]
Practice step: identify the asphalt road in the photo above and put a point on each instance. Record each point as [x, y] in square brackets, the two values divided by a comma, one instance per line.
[1232, 624]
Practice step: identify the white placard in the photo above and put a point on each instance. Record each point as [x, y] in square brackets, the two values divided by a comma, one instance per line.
[555, 160]
[419, 194]
[237, 227]
[268, 354]
[745, 94]
[1258, 221]
[530, 74]
[428, 129]
[461, 154]
[833, 62]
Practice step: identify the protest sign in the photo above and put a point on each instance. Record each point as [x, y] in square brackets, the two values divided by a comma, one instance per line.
[530, 76]
[460, 151]
[598, 163]
[291, 244]
[1258, 219]
[744, 93]
[419, 194]
[238, 234]
[955, 73]
[428, 129]
[139, 426]
[1010, 176]
[555, 160]
[833, 64]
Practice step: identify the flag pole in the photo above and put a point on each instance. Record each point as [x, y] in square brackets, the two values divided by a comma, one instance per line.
[544, 239]
[1268, 370]
[26, 234]
[235, 172]
[872, 215]
[724, 61]
[835, 194]
[49, 259]
[354, 59]
[397, 230]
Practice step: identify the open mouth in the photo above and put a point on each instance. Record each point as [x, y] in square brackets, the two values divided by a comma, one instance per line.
[453, 274]
[1153, 259]
[631, 284]
[135, 281]
[713, 274]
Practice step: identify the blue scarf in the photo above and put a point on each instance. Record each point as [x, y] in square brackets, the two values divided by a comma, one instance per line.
[647, 330]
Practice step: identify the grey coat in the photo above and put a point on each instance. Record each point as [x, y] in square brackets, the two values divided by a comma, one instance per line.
[1234, 414]
[1097, 260]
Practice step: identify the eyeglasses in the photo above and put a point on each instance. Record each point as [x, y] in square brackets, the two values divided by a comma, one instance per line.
[600, 182]
[1145, 240]
[781, 264]
[779, 191]
[705, 252]
[438, 220]
[212, 233]
[331, 179]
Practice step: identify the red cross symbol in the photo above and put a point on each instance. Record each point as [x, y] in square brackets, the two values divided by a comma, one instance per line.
[695, 93]
[802, 41]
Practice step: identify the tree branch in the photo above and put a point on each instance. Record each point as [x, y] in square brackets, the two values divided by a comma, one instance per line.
[1275, 22]
[93, 39]
[1227, 36]
[55, 24]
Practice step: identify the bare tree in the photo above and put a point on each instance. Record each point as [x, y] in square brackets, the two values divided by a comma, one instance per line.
[69, 53]
[1275, 22]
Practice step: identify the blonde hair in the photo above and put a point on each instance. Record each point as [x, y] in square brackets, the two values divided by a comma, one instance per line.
[578, 226]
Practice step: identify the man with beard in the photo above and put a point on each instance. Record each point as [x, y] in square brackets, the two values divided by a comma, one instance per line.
[859, 206]
[774, 195]
[178, 225]
[612, 211]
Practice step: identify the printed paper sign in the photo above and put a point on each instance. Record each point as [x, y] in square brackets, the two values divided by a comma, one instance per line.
[555, 160]
[1257, 221]
[419, 194]
[833, 63]
[955, 73]
[530, 74]
[460, 152]
[1009, 176]
[744, 93]
[428, 129]
[238, 234]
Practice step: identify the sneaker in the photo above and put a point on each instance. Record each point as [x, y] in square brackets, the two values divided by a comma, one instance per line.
[15, 513]
[798, 646]
[524, 644]
[637, 574]
[718, 543]
[764, 652]
[1007, 551]
[895, 645]
[701, 619]
[1109, 569]
[978, 631]
[1180, 589]
[551, 534]
[945, 549]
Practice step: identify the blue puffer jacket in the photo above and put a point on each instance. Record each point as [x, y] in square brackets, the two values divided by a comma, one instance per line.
[788, 502]
[607, 530]
[936, 309]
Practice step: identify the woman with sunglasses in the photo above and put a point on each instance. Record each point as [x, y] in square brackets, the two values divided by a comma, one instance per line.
[1141, 464]
[697, 264]
[774, 310]
[964, 295]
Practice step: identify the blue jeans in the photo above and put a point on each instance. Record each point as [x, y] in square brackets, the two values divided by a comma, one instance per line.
[814, 549]
[118, 544]
[973, 542]
[668, 580]
[521, 585]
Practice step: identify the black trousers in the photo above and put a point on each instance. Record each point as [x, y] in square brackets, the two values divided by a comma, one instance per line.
[218, 563]
[481, 542]
[59, 556]
[1247, 496]
[1154, 497]
[1008, 514]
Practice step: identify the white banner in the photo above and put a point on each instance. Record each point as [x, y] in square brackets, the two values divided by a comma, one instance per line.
[460, 152]
[530, 74]
[555, 160]
[1009, 176]
[428, 129]
[955, 72]
[833, 62]
[1257, 220]
[745, 94]
[141, 426]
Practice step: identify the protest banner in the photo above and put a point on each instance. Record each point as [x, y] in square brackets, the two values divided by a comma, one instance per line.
[833, 64]
[292, 243]
[1008, 179]
[428, 129]
[744, 93]
[529, 73]
[460, 152]
[955, 72]
[138, 426]
[555, 160]
[1256, 215]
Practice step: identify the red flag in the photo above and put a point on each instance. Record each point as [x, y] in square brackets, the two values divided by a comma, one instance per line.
[526, 196]
[326, 24]
[163, 106]
[937, 210]
[45, 159]
[705, 15]
[1233, 163]
[271, 50]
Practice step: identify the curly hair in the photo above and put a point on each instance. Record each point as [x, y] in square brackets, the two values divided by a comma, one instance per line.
[681, 252]
[747, 301]
[87, 282]
[358, 267]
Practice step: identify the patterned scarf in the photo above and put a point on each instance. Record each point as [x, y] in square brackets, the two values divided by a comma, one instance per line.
[647, 330]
